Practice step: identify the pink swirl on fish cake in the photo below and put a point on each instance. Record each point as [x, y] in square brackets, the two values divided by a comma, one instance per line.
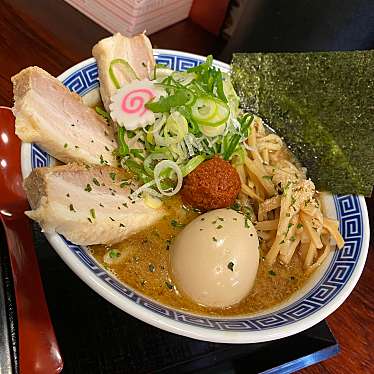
[134, 101]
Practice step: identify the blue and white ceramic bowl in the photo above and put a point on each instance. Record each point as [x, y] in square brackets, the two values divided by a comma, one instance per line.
[328, 287]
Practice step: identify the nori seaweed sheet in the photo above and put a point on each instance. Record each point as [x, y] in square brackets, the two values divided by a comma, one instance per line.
[322, 104]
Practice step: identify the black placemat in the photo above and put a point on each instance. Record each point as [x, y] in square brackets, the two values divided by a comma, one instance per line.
[96, 337]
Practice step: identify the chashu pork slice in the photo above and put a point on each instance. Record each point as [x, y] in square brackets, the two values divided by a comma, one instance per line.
[87, 205]
[136, 51]
[48, 114]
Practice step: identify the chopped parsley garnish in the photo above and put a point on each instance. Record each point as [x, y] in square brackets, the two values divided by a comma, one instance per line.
[151, 268]
[287, 186]
[282, 242]
[114, 253]
[175, 223]
[247, 222]
[112, 176]
[76, 146]
[169, 285]
[95, 181]
[236, 206]
[71, 208]
[272, 272]
[214, 239]
[230, 266]
[93, 213]
[288, 228]
[268, 177]
[219, 227]
[299, 226]
[65, 145]
[221, 219]
[102, 161]
[125, 205]
[292, 238]
[101, 205]
[168, 243]
[88, 188]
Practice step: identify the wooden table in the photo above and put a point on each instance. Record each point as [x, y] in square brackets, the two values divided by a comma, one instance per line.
[54, 36]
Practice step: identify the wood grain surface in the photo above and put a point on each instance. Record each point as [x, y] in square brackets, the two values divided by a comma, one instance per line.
[54, 36]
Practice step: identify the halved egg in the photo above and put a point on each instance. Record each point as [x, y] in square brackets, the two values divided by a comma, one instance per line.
[214, 259]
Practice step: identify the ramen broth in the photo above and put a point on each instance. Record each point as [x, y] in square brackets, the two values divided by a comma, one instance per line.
[142, 262]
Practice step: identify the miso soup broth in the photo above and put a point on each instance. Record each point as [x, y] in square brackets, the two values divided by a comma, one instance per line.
[142, 262]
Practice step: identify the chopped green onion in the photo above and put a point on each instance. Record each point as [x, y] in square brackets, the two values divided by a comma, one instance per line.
[175, 223]
[210, 111]
[159, 171]
[114, 253]
[102, 113]
[149, 160]
[192, 164]
[123, 148]
[219, 83]
[128, 70]
[245, 123]
[137, 153]
[204, 109]
[137, 170]
[233, 143]
[165, 104]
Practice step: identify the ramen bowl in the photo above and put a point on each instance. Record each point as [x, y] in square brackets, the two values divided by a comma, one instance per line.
[322, 294]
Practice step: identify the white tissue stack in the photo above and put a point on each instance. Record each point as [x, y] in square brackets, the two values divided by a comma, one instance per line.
[131, 17]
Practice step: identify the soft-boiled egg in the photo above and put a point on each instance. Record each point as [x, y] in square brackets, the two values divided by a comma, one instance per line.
[214, 259]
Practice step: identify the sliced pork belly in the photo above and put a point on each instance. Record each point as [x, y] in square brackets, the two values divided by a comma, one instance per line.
[86, 205]
[48, 114]
[136, 51]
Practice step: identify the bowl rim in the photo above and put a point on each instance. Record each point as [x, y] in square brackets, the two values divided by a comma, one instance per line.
[179, 326]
